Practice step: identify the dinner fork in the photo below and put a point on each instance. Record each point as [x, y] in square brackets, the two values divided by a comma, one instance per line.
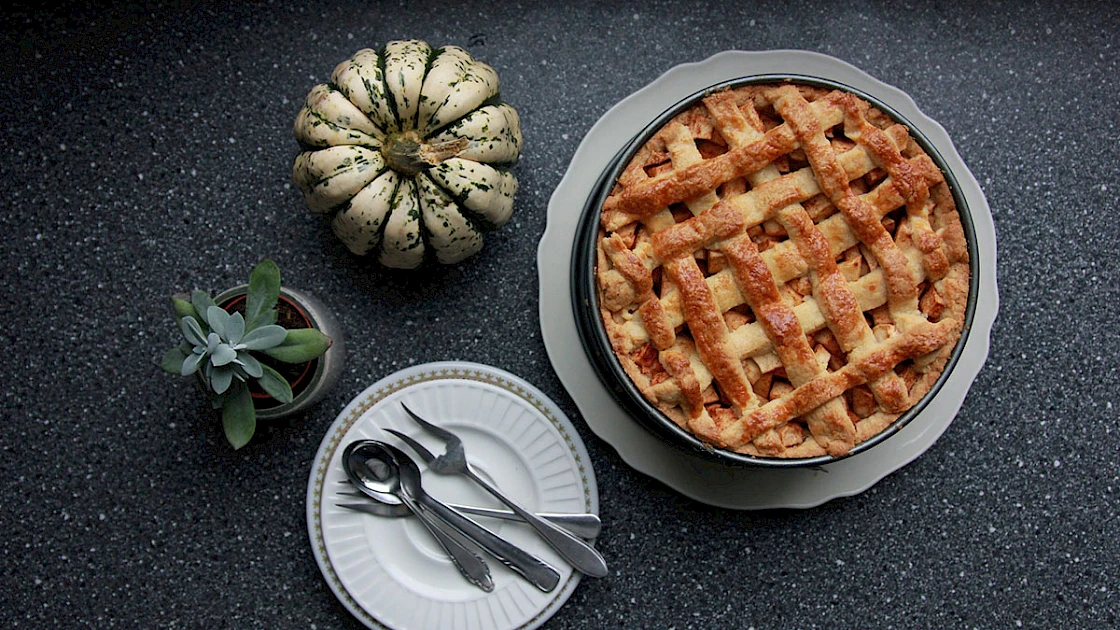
[578, 553]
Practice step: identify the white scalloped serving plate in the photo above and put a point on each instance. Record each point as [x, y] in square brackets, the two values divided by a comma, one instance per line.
[744, 488]
[389, 572]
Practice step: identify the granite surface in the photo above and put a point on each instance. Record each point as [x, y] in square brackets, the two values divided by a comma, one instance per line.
[147, 148]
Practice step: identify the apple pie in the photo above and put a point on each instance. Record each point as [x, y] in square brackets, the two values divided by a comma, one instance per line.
[781, 270]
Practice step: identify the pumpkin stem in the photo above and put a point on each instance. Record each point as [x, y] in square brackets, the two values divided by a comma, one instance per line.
[407, 153]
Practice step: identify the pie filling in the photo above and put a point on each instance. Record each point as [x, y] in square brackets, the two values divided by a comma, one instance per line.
[781, 270]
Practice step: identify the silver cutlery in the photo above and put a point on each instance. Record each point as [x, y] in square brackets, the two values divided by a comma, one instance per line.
[579, 554]
[392, 471]
[361, 469]
[582, 525]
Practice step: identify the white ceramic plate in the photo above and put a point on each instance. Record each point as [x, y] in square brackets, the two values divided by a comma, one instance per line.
[389, 572]
[695, 478]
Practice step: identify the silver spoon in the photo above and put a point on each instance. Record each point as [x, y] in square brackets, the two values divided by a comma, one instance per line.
[403, 479]
[367, 473]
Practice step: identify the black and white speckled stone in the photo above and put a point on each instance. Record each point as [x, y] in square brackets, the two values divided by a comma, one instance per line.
[148, 148]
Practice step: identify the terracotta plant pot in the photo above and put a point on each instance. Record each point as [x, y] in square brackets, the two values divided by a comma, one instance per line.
[312, 380]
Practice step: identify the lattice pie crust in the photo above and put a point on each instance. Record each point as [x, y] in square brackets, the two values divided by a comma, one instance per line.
[782, 271]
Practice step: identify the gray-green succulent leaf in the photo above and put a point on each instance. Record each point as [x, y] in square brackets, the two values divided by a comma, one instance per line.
[252, 367]
[235, 328]
[264, 292]
[191, 363]
[201, 301]
[300, 345]
[264, 337]
[239, 417]
[182, 308]
[218, 317]
[223, 355]
[272, 382]
[193, 331]
[220, 379]
[172, 362]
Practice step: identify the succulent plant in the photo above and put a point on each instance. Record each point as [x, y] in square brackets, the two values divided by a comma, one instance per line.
[223, 350]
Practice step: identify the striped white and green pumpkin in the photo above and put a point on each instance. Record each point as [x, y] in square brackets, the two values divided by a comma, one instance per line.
[408, 149]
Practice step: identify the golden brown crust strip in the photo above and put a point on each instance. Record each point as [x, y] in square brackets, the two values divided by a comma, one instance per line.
[709, 330]
[738, 125]
[917, 232]
[661, 334]
[677, 364]
[778, 320]
[720, 222]
[856, 127]
[627, 264]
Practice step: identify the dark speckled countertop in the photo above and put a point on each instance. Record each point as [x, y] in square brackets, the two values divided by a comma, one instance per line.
[147, 148]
